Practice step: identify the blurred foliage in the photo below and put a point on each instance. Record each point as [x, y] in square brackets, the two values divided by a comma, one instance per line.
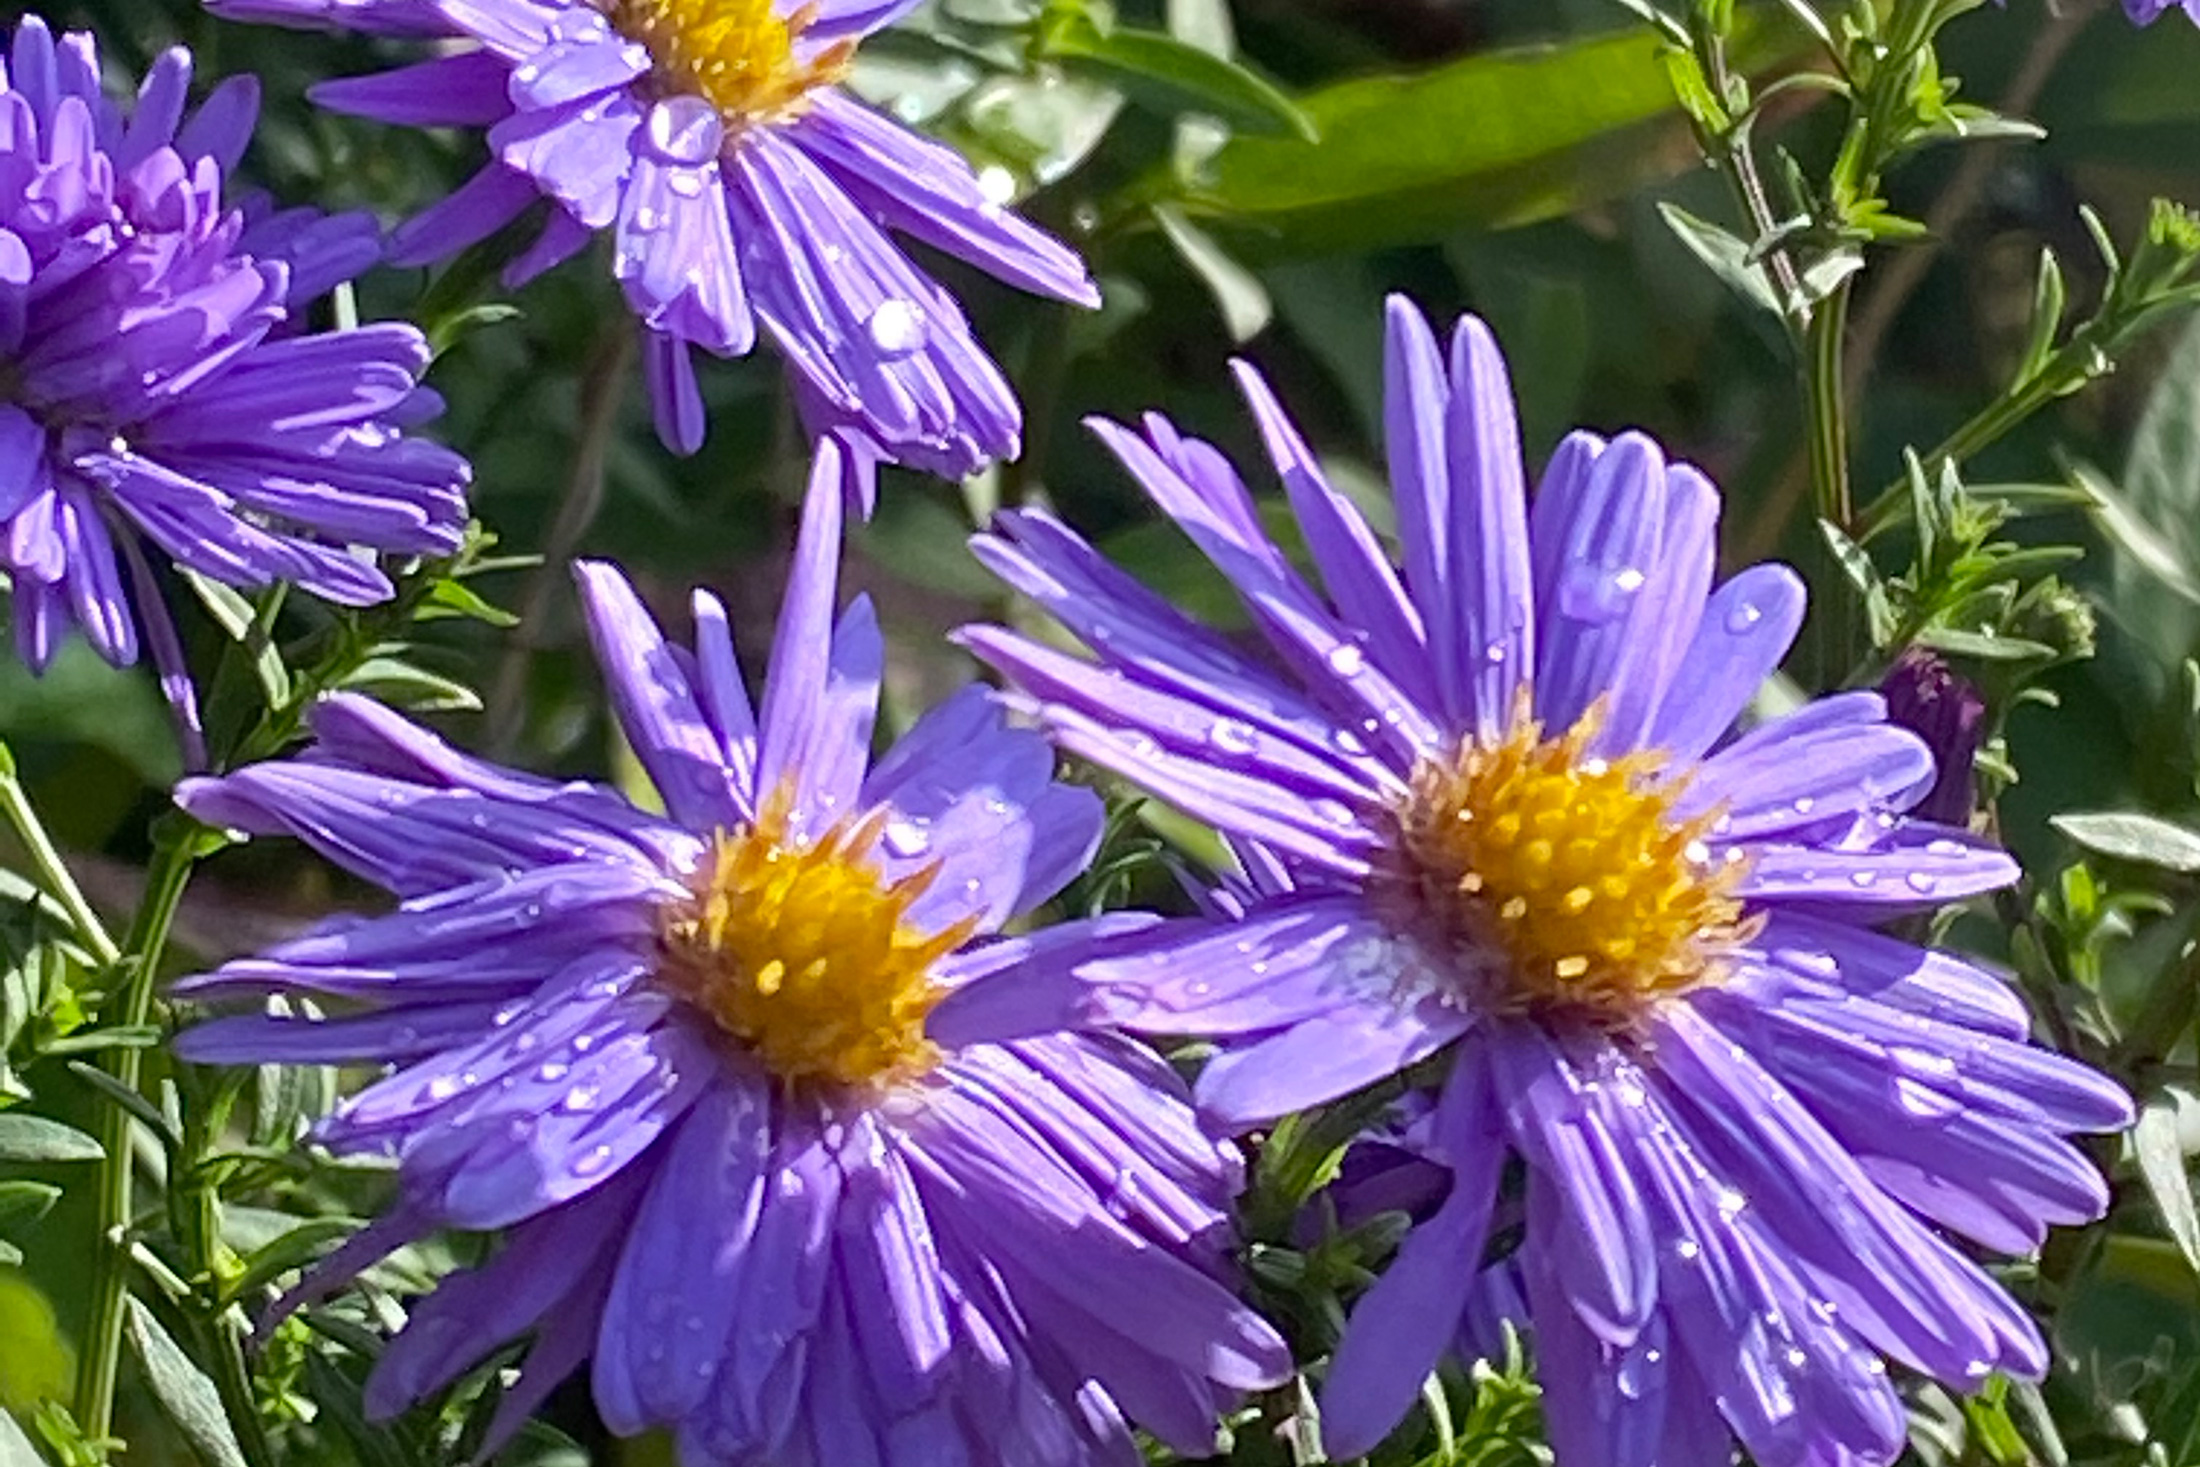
[1250, 176]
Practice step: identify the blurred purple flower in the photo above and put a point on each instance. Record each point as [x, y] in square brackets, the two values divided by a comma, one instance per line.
[777, 1116]
[154, 380]
[1927, 697]
[2145, 12]
[739, 183]
[1493, 813]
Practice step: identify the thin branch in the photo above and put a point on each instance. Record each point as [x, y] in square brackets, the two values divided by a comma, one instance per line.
[1893, 285]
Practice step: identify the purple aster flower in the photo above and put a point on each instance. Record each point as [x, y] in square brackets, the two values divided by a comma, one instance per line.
[1500, 834]
[774, 1111]
[739, 183]
[154, 383]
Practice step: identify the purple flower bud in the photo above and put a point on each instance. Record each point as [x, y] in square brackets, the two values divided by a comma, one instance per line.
[1927, 697]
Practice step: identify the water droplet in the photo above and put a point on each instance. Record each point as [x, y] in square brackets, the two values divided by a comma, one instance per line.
[1233, 736]
[1598, 594]
[1804, 804]
[443, 1087]
[1346, 659]
[1730, 1203]
[1687, 1250]
[581, 1098]
[1945, 848]
[1863, 880]
[1742, 618]
[997, 184]
[685, 130]
[1495, 654]
[688, 183]
[1924, 883]
[906, 837]
[896, 328]
[553, 1071]
[593, 1163]
[1332, 812]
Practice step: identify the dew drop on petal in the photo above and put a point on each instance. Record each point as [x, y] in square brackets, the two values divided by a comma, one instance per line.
[1742, 618]
[1346, 659]
[1233, 736]
[896, 328]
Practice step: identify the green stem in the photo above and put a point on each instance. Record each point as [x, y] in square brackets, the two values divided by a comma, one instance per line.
[1827, 409]
[15, 807]
[1987, 427]
[130, 1003]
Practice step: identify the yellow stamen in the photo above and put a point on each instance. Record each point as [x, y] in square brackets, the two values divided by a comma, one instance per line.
[1571, 872]
[804, 954]
[737, 54]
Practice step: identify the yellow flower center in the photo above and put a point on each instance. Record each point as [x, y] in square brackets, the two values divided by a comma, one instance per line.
[737, 54]
[1565, 876]
[805, 954]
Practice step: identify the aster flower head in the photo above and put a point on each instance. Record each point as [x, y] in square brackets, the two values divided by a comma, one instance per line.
[154, 380]
[739, 183]
[1495, 816]
[773, 1109]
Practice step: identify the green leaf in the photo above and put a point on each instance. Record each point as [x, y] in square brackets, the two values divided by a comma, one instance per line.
[34, 1138]
[15, 1448]
[1157, 71]
[1985, 644]
[402, 685]
[2153, 526]
[1499, 139]
[117, 1093]
[185, 1393]
[1725, 255]
[2162, 1163]
[294, 1249]
[451, 598]
[1246, 308]
[27, 1201]
[2130, 836]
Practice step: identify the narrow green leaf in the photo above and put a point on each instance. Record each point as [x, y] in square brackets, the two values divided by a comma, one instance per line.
[2130, 836]
[117, 1093]
[1157, 71]
[1725, 255]
[26, 1201]
[34, 1138]
[294, 1249]
[15, 1447]
[403, 685]
[451, 598]
[186, 1395]
[1985, 645]
[2162, 1163]
[1246, 307]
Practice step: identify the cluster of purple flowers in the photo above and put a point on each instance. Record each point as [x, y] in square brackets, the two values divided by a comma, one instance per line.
[156, 381]
[805, 1139]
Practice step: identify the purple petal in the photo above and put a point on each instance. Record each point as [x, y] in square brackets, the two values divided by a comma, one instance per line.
[656, 706]
[1747, 627]
[1403, 1325]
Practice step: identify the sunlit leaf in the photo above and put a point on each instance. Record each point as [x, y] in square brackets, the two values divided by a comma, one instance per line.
[34, 1138]
[185, 1393]
[1498, 139]
[2131, 836]
[1170, 76]
[2162, 1163]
